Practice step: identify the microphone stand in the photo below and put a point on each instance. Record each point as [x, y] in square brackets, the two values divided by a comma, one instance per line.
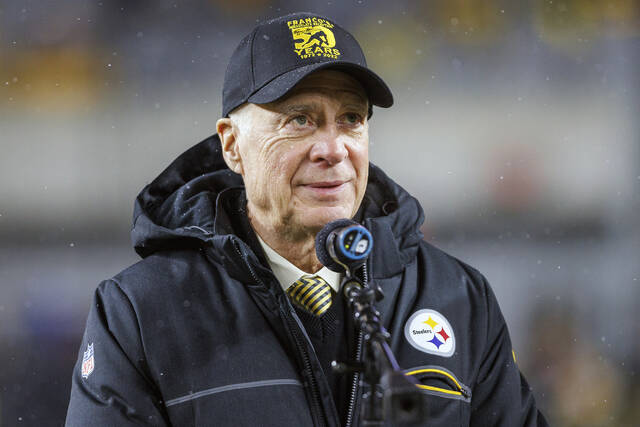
[391, 395]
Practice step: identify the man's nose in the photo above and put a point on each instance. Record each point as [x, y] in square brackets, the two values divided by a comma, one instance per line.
[330, 147]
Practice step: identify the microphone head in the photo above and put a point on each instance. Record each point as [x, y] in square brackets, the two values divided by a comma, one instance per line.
[321, 243]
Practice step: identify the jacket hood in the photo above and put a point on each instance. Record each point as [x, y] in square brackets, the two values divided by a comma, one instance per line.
[181, 209]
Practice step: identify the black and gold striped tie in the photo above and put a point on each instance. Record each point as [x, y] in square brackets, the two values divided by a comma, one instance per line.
[311, 292]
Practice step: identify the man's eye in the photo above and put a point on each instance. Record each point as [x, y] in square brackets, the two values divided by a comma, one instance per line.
[352, 118]
[300, 120]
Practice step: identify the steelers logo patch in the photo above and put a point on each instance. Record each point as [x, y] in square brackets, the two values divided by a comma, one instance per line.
[430, 332]
[313, 37]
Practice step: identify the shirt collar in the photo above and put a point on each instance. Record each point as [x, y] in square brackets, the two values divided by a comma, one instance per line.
[287, 273]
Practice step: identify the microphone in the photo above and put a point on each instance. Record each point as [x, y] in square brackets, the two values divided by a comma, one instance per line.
[343, 244]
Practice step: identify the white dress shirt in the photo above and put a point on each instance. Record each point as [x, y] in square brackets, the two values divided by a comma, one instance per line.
[287, 273]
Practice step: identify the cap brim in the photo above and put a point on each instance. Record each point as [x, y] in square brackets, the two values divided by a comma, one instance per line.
[377, 90]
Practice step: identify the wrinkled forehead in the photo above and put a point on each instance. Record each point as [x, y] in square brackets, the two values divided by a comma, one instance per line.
[332, 83]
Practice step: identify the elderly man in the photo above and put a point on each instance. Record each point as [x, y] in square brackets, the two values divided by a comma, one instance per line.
[230, 318]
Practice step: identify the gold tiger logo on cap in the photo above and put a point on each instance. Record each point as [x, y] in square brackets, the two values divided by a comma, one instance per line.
[313, 37]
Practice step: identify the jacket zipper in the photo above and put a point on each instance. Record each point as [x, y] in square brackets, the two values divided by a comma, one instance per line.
[316, 409]
[456, 389]
[315, 405]
[354, 384]
[356, 375]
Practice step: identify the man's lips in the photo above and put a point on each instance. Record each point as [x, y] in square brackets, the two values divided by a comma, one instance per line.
[325, 187]
[325, 184]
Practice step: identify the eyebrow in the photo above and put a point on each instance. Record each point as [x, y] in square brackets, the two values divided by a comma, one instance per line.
[361, 104]
[301, 108]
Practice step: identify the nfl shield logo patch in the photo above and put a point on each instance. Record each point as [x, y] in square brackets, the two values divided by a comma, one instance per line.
[88, 362]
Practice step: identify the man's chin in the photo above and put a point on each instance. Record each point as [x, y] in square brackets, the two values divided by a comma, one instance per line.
[318, 218]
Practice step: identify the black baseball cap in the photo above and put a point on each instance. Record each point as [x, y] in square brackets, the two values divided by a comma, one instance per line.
[279, 53]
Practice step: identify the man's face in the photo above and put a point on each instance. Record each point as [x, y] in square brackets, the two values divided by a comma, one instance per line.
[305, 158]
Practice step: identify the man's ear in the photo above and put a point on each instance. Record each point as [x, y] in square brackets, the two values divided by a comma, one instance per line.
[227, 132]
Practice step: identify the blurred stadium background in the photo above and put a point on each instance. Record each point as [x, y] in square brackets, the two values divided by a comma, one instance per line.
[515, 124]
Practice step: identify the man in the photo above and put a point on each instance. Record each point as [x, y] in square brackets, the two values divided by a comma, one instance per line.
[230, 319]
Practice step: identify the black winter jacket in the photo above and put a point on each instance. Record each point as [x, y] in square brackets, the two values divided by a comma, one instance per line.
[200, 333]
